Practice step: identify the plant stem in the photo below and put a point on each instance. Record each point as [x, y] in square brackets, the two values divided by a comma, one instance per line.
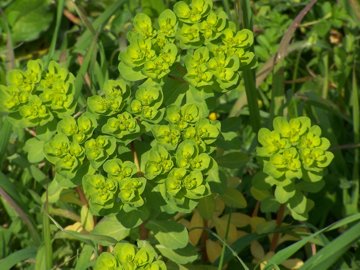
[256, 209]
[203, 239]
[144, 232]
[82, 196]
[279, 219]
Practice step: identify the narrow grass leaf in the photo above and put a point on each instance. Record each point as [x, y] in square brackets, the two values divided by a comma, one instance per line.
[285, 253]
[85, 40]
[328, 255]
[22, 214]
[59, 15]
[17, 257]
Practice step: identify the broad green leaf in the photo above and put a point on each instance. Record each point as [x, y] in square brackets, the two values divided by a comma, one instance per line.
[180, 256]
[207, 207]
[53, 192]
[170, 234]
[111, 226]
[133, 218]
[34, 147]
[269, 205]
[234, 160]
[27, 19]
[234, 198]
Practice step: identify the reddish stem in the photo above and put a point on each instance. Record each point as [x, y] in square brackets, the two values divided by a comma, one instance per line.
[279, 219]
[256, 209]
[203, 239]
[82, 197]
[144, 232]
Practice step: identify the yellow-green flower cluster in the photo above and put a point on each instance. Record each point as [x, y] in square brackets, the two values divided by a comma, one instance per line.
[180, 160]
[120, 189]
[98, 149]
[147, 102]
[295, 157]
[34, 96]
[194, 35]
[66, 149]
[123, 127]
[113, 99]
[128, 256]
[151, 51]
[216, 51]
[294, 149]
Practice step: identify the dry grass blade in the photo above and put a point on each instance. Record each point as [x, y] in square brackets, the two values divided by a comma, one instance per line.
[284, 44]
[355, 5]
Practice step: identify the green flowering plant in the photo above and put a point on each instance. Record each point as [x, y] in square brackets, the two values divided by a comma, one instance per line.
[138, 150]
[294, 157]
[35, 96]
[194, 36]
[128, 256]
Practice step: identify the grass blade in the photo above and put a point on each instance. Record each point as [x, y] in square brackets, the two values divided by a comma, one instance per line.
[351, 200]
[284, 44]
[277, 94]
[17, 257]
[59, 12]
[25, 218]
[84, 259]
[328, 255]
[47, 234]
[287, 252]
[84, 41]
[5, 132]
[249, 75]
